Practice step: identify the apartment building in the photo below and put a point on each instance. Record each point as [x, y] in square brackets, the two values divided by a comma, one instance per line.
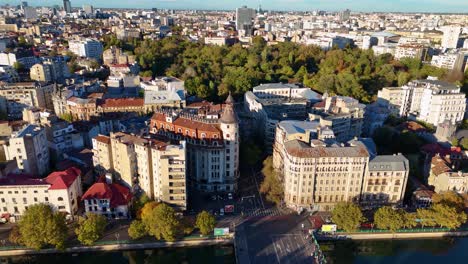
[413, 51]
[49, 71]
[450, 61]
[444, 178]
[385, 180]
[30, 149]
[317, 175]
[27, 94]
[61, 190]
[88, 48]
[157, 166]
[162, 171]
[212, 136]
[272, 103]
[430, 100]
[115, 55]
[343, 115]
[450, 37]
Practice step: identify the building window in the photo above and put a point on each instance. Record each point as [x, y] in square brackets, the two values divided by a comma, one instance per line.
[60, 199]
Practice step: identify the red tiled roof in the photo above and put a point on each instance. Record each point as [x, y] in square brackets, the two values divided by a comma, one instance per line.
[123, 102]
[60, 180]
[103, 139]
[116, 193]
[439, 165]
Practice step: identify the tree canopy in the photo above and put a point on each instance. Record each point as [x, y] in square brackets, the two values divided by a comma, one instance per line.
[348, 216]
[389, 219]
[40, 227]
[90, 228]
[271, 185]
[205, 222]
[162, 222]
[210, 70]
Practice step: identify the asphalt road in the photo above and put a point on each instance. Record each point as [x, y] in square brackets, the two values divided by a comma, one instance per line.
[278, 239]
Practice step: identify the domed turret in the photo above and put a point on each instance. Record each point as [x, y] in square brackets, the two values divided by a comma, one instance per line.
[229, 116]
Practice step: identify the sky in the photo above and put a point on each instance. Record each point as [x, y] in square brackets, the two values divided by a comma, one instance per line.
[445, 6]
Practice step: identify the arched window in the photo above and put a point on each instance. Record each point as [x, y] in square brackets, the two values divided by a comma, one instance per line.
[60, 199]
[203, 135]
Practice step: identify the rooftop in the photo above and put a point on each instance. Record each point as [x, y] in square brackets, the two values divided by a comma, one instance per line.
[389, 163]
[300, 149]
[117, 194]
[293, 127]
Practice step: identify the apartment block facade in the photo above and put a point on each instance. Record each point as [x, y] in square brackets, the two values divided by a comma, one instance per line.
[212, 136]
[430, 100]
[30, 149]
[317, 174]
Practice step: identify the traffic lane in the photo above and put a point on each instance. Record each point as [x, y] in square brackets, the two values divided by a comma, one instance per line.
[259, 232]
[293, 248]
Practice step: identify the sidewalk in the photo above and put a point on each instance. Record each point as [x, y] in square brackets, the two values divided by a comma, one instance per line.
[120, 246]
[415, 235]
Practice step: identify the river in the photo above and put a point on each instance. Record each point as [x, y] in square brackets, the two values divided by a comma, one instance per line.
[189, 255]
[427, 251]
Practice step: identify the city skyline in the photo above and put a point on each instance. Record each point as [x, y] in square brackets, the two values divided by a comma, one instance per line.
[453, 6]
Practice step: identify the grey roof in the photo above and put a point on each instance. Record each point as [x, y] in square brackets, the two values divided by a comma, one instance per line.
[292, 126]
[300, 149]
[264, 86]
[383, 34]
[440, 84]
[159, 97]
[389, 163]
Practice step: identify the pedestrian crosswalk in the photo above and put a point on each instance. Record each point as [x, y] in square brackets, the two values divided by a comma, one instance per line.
[263, 212]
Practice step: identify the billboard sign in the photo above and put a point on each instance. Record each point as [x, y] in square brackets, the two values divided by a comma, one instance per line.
[328, 228]
[221, 231]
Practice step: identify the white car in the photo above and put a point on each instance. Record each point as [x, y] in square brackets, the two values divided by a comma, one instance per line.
[230, 196]
[221, 211]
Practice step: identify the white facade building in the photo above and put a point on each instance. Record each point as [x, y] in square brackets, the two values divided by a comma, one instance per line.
[451, 36]
[428, 100]
[61, 190]
[88, 48]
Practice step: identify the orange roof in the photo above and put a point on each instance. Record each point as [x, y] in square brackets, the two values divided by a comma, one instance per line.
[103, 139]
[439, 165]
[123, 102]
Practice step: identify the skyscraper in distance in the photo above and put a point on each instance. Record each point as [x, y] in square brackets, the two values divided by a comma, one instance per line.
[67, 6]
[451, 36]
[244, 17]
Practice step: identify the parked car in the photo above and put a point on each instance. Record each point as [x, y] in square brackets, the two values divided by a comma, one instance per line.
[221, 211]
[230, 196]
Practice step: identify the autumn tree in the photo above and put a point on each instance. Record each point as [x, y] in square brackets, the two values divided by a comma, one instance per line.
[389, 219]
[162, 222]
[137, 229]
[448, 216]
[451, 199]
[40, 227]
[90, 228]
[348, 216]
[205, 222]
[271, 185]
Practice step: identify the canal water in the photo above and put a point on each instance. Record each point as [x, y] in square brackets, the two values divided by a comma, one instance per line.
[189, 255]
[428, 251]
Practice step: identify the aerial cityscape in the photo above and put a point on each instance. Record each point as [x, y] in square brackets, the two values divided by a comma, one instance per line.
[246, 132]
